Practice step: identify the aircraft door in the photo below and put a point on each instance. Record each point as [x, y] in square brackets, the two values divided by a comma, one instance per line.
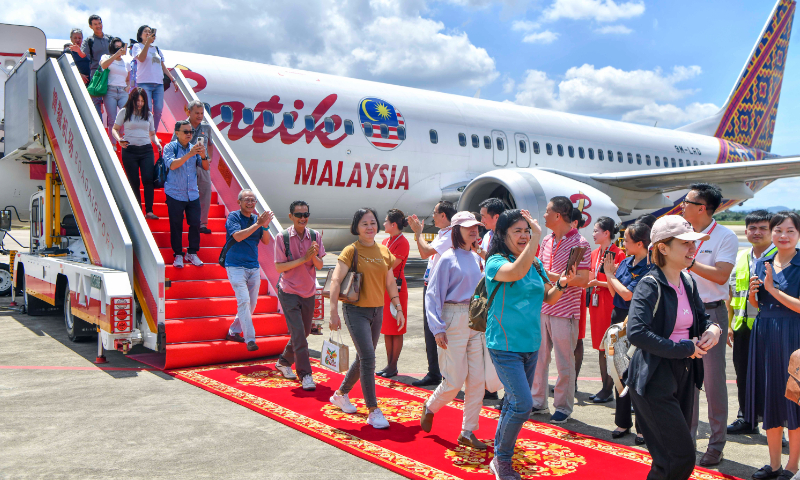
[523, 149]
[499, 148]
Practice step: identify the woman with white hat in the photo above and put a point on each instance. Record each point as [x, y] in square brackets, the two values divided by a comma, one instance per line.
[451, 285]
[669, 325]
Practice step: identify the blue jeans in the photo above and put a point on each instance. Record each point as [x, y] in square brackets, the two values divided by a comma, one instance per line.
[114, 100]
[155, 93]
[515, 371]
[245, 283]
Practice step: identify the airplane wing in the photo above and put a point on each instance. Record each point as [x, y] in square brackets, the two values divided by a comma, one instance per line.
[669, 179]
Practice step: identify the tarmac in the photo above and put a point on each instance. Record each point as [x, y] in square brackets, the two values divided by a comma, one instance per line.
[63, 417]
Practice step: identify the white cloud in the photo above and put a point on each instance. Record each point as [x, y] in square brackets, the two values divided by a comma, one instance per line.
[524, 26]
[599, 10]
[614, 29]
[544, 37]
[508, 85]
[379, 40]
[641, 96]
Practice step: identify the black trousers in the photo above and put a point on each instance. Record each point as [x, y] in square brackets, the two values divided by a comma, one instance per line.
[664, 414]
[430, 342]
[622, 406]
[741, 349]
[176, 209]
[137, 158]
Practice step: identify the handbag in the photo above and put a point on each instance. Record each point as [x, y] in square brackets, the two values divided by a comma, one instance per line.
[160, 173]
[335, 355]
[98, 86]
[350, 289]
[793, 385]
[229, 243]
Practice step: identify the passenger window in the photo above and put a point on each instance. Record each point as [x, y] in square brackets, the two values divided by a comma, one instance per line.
[367, 129]
[348, 127]
[248, 117]
[384, 130]
[207, 107]
[401, 133]
[639, 158]
[599, 154]
[329, 124]
[536, 148]
[591, 154]
[475, 141]
[500, 144]
[619, 156]
[673, 163]
[288, 121]
[647, 160]
[226, 112]
[522, 147]
[549, 148]
[630, 158]
[580, 152]
[571, 151]
[462, 139]
[269, 118]
[658, 161]
[487, 142]
[560, 150]
[310, 123]
[434, 136]
[610, 156]
[695, 163]
[680, 162]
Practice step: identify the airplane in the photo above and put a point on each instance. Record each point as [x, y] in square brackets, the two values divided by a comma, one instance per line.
[343, 143]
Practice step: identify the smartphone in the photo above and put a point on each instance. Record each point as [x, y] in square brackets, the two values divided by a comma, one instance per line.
[610, 254]
[201, 141]
[153, 32]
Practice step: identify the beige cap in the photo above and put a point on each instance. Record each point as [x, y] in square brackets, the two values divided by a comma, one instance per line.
[464, 219]
[676, 226]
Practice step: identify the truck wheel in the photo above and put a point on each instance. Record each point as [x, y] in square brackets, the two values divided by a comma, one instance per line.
[6, 282]
[34, 306]
[77, 330]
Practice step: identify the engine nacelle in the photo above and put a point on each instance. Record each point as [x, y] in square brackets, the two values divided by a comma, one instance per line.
[532, 189]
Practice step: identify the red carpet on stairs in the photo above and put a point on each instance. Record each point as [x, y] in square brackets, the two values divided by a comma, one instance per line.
[200, 305]
[542, 450]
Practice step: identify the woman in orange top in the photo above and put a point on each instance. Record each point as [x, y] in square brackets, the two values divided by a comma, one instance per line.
[601, 300]
[398, 245]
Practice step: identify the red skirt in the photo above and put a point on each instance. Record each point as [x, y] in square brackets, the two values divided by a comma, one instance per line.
[601, 316]
[389, 326]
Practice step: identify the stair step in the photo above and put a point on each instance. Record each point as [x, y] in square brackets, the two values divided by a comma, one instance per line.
[162, 224]
[210, 329]
[214, 239]
[206, 289]
[214, 211]
[209, 271]
[161, 197]
[215, 352]
[223, 306]
[207, 255]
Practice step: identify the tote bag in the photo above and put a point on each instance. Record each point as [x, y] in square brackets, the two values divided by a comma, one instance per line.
[99, 84]
[335, 355]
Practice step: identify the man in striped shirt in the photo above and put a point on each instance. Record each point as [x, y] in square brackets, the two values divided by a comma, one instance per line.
[560, 321]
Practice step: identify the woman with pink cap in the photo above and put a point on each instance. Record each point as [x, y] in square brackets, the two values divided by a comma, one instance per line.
[451, 285]
[669, 325]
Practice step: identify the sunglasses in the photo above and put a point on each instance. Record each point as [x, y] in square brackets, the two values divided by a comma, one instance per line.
[190, 132]
[693, 203]
[301, 215]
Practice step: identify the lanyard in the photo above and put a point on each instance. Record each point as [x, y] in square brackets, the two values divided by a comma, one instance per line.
[600, 260]
[701, 243]
[392, 240]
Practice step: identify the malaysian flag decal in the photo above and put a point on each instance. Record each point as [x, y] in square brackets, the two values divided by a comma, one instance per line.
[382, 123]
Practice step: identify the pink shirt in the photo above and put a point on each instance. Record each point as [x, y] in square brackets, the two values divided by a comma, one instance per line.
[685, 317]
[301, 280]
[554, 256]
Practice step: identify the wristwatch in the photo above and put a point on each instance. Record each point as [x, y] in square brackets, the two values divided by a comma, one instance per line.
[559, 287]
[205, 159]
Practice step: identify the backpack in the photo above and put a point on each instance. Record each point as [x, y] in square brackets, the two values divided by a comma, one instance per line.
[229, 243]
[161, 170]
[285, 237]
[479, 305]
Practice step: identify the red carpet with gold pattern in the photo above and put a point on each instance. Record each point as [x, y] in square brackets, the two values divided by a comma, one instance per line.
[542, 450]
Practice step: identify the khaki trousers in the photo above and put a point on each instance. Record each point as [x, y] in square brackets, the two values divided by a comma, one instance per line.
[461, 362]
[560, 335]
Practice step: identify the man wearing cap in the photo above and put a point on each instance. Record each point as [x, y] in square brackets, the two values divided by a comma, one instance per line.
[561, 321]
[711, 269]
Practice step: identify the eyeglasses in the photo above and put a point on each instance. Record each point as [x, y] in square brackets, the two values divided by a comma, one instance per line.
[190, 132]
[301, 215]
[684, 202]
[248, 200]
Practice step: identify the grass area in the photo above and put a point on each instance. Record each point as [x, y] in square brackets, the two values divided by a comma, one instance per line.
[732, 222]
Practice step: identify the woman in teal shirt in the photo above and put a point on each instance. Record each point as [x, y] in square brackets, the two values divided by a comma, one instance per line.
[513, 331]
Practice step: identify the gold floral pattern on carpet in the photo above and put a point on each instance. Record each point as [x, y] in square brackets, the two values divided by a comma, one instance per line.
[531, 459]
[394, 409]
[274, 379]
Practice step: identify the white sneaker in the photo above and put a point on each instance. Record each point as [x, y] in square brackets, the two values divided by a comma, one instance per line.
[343, 402]
[193, 259]
[377, 420]
[178, 263]
[308, 383]
[286, 371]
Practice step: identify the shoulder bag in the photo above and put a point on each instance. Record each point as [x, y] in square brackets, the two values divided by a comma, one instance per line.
[793, 385]
[161, 171]
[99, 84]
[350, 289]
[224, 253]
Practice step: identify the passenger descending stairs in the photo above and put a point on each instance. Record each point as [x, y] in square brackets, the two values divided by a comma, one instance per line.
[200, 304]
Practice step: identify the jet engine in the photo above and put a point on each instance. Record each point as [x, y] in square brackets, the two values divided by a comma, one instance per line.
[531, 189]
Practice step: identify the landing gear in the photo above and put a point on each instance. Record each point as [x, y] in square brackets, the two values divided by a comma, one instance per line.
[77, 330]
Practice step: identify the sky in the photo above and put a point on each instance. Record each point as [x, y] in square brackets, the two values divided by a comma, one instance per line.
[654, 63]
